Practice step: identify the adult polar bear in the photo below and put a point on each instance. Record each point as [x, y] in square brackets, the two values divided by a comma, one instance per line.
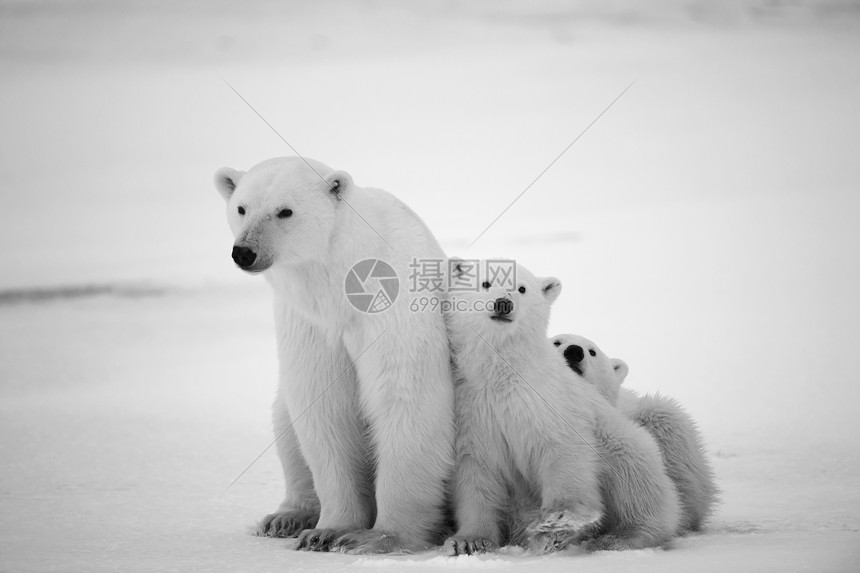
[369, 396]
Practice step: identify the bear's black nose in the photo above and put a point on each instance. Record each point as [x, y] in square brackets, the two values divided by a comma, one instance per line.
[574, 354]
[503, 306]
[244, 257]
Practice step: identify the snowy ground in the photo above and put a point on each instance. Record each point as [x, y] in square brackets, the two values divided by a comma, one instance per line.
[705, 229]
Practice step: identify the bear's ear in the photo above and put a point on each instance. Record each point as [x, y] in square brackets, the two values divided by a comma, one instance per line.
[226, 180]
[339, 184]
[620, 368]
[551, 288]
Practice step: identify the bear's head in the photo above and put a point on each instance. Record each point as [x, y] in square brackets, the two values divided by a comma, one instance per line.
[281, 211]
[586, 359]
[505, 304]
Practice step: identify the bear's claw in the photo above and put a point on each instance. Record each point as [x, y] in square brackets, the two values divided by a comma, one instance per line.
[366, 541]
[457, 546]
[564, 520]
[542, 543]
[316, 539]
[286, 523]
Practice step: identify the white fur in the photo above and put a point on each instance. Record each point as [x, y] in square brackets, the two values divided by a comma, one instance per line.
[371, 394]
[675, 431]
[535, 459]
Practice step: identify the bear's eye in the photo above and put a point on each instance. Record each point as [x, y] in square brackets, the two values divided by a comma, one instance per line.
[241, 210]
[284, 213]
[557, 343]
[592, 352]
[485, 284]
[522, 290]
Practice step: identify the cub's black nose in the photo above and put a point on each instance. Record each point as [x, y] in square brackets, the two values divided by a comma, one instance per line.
[574, 354]
[503, 306]
[244, 257]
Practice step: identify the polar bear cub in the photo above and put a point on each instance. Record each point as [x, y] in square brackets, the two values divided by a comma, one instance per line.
[587, 360]
[675, 431]
[523, 435]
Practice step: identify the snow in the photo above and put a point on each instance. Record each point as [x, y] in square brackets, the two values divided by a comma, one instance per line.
[705, 230]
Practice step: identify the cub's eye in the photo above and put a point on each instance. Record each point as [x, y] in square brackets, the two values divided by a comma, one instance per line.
[592, 352]
[241, 210]
[522, 290]
[284, 213]
[485, 284]
[556, 343]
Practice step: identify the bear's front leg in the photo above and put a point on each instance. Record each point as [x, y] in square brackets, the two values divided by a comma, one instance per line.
[319, 386]
[569, 477]
[300, 509]
[478, 496]
[408, 394]
[479, 491]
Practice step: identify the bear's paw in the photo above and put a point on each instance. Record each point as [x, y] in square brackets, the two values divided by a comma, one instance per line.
[367, 541]
[624, 542]
[568, 520]
[286, 523]
[543, 543]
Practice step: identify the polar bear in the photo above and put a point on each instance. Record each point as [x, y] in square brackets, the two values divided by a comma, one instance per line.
[364, 410]
[675, 431]
[523, 435]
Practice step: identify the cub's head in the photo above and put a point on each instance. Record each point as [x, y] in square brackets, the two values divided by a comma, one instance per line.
[587, 360]
[281, 211]
[509, 300]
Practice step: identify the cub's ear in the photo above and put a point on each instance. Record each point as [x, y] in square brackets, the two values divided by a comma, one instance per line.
[455, 267]
[620, 368]
[339, 184]
[551, 288]
[226, 180]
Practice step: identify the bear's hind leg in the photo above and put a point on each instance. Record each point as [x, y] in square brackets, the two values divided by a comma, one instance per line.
[642, 507]
[686, 461]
